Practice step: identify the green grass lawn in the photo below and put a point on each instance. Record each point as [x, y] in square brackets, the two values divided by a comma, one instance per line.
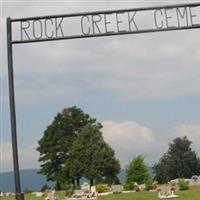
[191, 194]
[131, 196]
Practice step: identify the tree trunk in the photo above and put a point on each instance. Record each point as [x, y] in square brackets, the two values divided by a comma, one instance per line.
[74, 184]
[58, 186]
[78, 182]
[91, 182]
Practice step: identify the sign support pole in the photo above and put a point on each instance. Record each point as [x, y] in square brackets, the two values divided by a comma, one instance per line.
[18, 194]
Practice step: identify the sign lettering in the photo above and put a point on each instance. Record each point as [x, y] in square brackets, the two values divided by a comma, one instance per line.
[108, 23]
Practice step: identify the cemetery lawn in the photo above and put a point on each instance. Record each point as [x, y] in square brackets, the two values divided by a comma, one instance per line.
[191, 194]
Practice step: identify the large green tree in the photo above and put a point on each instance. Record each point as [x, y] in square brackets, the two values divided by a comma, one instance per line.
[56, 142]
[137, 171]
[72, 147]
[91, 156]
[180, 161]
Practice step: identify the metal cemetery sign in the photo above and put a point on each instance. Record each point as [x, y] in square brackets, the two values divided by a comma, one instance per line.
[105, 23]
[90, 24]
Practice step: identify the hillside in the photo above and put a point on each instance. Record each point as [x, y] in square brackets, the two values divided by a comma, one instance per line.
[29, 179]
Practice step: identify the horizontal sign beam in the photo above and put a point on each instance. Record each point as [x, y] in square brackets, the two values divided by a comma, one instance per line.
[106, 23]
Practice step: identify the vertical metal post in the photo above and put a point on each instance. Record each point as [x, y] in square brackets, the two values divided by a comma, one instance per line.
[18, 194]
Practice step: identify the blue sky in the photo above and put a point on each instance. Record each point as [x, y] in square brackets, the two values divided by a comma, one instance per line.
[143, 88]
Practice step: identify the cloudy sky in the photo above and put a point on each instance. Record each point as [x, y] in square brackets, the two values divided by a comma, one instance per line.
[143, 88]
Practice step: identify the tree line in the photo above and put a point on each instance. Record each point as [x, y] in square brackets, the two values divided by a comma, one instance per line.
[73, 147]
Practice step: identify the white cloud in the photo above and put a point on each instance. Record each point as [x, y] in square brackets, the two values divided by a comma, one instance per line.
[192, 131]
[129, 130]
[43, 93]
[6, 152]
[28, 157]
[130, 139]
[149, 66]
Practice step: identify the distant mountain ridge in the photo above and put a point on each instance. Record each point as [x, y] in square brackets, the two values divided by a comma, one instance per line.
[30, 179]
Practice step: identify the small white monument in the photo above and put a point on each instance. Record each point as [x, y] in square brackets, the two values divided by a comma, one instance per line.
[51, 195]
[117, 188]
[85, 187]
[195, 180]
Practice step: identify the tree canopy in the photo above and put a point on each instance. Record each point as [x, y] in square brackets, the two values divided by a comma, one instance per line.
[180, 161]
[98, 157]
[72, 146]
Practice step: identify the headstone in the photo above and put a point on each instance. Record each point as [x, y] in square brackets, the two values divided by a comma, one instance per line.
[78, 193]
[38, 194]
[8, 194]
[166, 192]
[93, 191]
[85, 187]
[51, 195]
[142, 187]
[116, 188]
[195, 180]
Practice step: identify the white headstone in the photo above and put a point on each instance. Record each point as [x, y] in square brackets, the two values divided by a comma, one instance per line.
[85, 187]
[116, 188]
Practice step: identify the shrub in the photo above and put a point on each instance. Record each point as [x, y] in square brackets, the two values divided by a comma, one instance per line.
[183, 185]
[69, 187]
[26, 190]
[102, 188]
[149, 184]
[44, 188]
[127, 186]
